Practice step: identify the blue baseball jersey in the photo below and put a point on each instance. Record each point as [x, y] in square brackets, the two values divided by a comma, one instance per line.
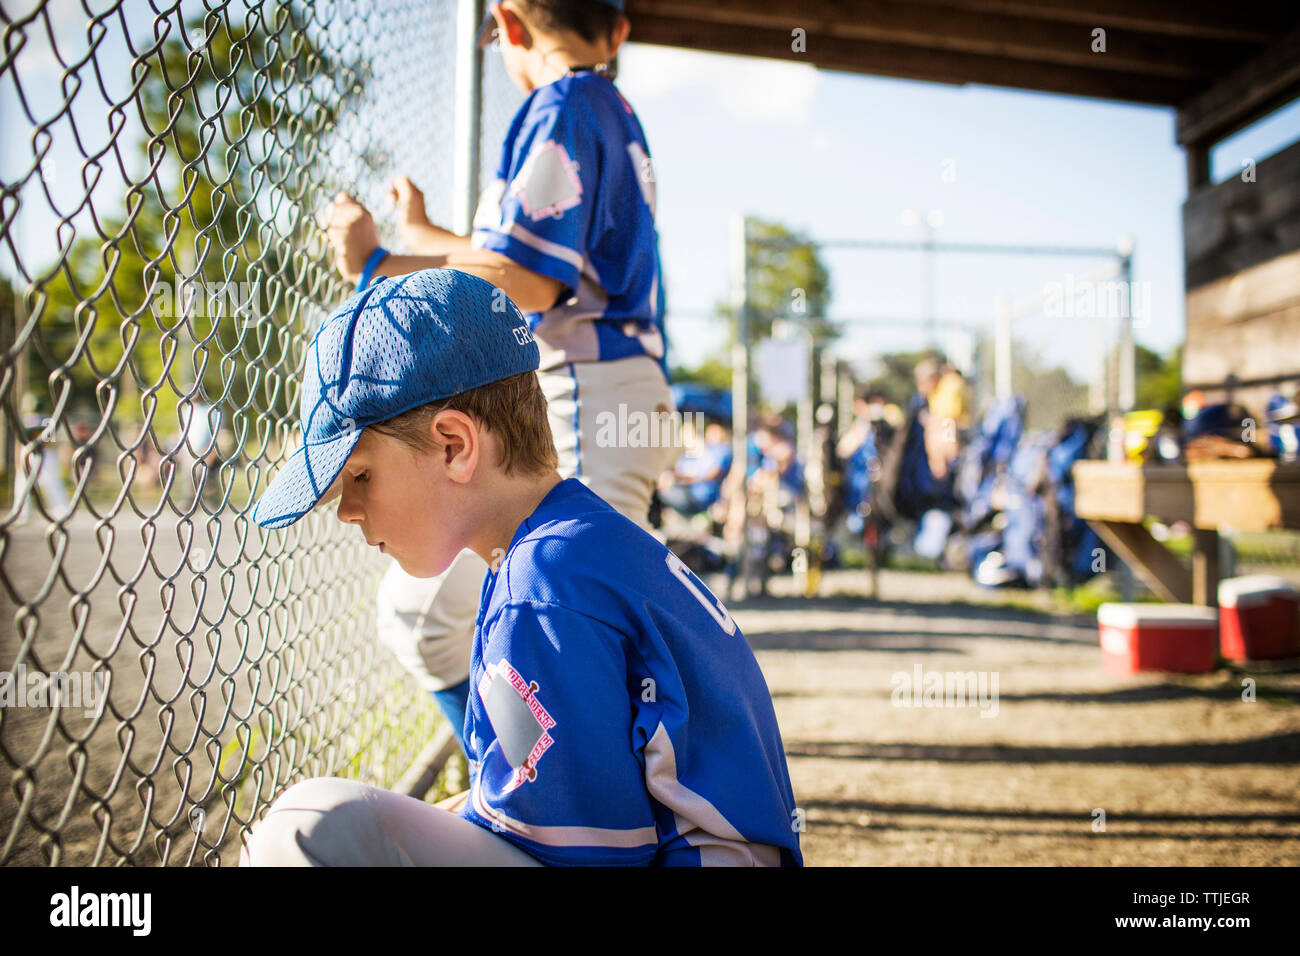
[574, 199]
[617, 714]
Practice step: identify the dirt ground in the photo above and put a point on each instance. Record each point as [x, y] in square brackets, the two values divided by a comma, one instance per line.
[1180, 770]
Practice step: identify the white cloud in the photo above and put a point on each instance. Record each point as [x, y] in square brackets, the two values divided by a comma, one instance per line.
[749, 88]
[69, 21]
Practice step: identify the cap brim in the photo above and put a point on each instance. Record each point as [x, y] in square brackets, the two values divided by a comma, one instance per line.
[306, 480]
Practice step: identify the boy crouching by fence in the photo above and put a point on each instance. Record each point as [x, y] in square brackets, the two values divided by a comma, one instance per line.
[617, 714]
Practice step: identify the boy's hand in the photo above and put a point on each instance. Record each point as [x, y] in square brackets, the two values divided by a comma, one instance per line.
[417, 232]
[408, 201]
[353, 235]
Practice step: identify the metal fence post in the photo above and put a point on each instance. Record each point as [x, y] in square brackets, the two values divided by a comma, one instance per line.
[469, 114]
[740, 356]
[1127, 373]
[1002, 350]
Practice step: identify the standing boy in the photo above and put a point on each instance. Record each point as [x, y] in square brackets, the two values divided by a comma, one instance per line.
[566, 230]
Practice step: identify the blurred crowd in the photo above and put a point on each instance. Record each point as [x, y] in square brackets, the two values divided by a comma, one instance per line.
[923, 477]
[929, 480]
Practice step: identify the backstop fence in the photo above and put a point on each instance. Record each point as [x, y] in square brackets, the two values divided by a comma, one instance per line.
[169, 667]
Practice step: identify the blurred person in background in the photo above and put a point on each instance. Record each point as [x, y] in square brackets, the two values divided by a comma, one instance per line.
[39, 453]
[82, 427]
[197, 454]
[875, 420]
[926, 375]
[949, 406]
[694, 484]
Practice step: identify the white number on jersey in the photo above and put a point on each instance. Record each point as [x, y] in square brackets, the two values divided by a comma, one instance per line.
[702, 594]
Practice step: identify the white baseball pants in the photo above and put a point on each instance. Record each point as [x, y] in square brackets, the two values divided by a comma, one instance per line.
[329, 821]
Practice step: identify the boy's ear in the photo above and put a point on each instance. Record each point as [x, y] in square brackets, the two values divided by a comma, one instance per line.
[510, 27]
[459, 441]
[622, 28]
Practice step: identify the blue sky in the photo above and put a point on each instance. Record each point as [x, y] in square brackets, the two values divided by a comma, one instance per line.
[840, 155]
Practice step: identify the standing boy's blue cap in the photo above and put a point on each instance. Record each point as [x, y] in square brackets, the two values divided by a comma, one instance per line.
[485, 31]
[401, 343]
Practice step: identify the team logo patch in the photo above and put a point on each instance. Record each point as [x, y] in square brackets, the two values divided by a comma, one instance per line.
[521, 723]
[548, 183]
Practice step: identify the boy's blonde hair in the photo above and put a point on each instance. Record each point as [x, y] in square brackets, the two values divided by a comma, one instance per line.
[513, 409]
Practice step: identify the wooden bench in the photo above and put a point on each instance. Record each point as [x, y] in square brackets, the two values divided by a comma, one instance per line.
[1242, 495]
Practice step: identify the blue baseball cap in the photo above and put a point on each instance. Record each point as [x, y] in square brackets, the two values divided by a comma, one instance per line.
[401, 343]
[485, 31]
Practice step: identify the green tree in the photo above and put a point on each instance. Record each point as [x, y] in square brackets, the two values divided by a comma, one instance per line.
[713, 372]
[1051, 393]
[235, 119]
[787, 280]
[1159, 380]
[10, 412]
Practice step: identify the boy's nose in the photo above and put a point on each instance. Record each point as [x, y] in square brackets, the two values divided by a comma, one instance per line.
[348, 512]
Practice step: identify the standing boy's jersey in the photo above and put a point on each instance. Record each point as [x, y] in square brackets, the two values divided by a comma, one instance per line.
[574, 199]
[617, 714]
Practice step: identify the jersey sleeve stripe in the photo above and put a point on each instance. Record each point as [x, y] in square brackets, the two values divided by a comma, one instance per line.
[699, 821]
[564, 836]
[544, 246]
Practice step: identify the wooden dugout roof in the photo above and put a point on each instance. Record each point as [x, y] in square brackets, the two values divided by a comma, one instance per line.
[1160, 52]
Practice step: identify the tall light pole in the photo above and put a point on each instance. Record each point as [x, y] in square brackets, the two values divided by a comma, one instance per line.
[933, 220]
[1127, 373]
[740, 343]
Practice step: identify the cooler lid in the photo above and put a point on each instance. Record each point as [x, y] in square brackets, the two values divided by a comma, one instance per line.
[1155, 615]
[1232, 591]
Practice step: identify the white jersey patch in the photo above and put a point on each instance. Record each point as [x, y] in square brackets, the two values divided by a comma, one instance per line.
[519, 720]
[548, 183]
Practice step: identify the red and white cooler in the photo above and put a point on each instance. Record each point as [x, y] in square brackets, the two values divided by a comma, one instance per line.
[1158, 637]
[1260, 618]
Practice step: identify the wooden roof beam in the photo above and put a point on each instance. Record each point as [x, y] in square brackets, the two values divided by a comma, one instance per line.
[911, 62]
[965, 31]
[1264, 82]
[1212, 19]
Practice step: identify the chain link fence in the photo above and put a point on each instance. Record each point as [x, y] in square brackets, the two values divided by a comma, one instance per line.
[169, 666]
